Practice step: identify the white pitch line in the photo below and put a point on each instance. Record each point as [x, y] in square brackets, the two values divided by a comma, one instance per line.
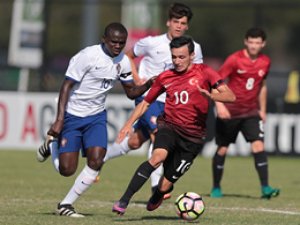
[95, 203]
[286, 212]
[257, 210]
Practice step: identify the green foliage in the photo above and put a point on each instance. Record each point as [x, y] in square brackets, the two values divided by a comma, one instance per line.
[30, 192]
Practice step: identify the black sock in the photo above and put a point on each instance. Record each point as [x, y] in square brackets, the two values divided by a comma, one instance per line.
[261, 165]
[217, 169]
[141, 175]
[153, 189]
[157, 195]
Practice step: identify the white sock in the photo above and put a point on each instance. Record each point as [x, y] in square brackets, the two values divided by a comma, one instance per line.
[116, 149]
[84, 180]
[54, 155]
[156, 174]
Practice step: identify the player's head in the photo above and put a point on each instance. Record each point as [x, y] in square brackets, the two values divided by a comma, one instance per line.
[178, 19]
[182, 50]
[255, 41]
[114, 38]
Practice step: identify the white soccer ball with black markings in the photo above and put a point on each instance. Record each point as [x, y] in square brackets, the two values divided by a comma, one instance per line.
[189, 206]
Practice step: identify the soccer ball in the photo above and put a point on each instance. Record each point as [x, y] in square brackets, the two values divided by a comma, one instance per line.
[189, 206]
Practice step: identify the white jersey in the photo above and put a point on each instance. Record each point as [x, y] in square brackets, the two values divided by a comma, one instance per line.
[157, 57]
[95, 73]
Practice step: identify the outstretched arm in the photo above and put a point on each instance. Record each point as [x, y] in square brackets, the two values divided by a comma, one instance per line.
[223, 94]
[139, 110]
[133, 91]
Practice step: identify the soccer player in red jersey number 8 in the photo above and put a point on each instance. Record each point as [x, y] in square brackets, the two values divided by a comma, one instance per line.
[246, 71]
[182, 126]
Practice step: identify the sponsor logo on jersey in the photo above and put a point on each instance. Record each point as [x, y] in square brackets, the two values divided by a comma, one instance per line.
[167, 85]
[261, 73]
[239, 71]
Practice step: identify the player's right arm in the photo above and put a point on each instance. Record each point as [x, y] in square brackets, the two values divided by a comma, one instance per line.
[64, 93]
[139, 110]
[156, 89]
[78, 65]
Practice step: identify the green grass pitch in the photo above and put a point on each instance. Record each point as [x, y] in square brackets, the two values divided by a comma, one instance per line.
[30, 191]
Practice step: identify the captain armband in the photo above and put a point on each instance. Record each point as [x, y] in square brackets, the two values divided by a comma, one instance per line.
[217, 84]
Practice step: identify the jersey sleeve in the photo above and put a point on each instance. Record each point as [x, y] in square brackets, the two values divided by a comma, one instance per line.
[126, 74]
[214, 78]
[228, 67]
[141, 47]
[198, 54]
[78, 66]
[156, 89]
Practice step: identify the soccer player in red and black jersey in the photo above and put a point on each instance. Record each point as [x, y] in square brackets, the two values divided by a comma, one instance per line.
[181, 128]
[246, 72]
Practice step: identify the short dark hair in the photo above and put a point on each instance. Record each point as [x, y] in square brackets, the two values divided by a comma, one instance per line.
[256, 32]
[115, 27]
[181, 41]
[179, 10]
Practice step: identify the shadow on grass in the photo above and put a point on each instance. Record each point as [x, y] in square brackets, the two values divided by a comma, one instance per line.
[155, 218]
[175, 219]
[234, 196]
[151, 218]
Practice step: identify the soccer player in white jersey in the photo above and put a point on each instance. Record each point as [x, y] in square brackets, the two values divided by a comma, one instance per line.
[81, 116]
[156, 59]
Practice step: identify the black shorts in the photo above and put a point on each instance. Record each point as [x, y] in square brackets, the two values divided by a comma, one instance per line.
[227, 130]
[181, 152]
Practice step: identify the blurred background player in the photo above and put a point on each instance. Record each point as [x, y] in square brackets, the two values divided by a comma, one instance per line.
[81, 116]
[181, 127]
[156, 59]
[246, 71]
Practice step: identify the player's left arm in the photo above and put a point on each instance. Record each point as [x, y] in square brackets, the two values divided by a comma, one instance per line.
[222, 94]
[133, 91]
[262, 99]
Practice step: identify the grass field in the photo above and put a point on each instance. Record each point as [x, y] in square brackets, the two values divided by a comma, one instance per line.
[30, 191]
